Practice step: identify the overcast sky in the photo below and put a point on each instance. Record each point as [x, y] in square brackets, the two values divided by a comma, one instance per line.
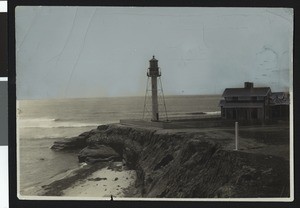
[65, 52]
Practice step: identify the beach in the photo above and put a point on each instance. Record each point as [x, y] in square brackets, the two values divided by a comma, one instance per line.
[113, 180]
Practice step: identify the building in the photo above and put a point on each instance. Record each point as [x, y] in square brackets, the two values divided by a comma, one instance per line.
[279, 105]
[253, 103]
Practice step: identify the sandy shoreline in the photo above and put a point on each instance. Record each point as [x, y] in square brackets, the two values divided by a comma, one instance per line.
[109, 181]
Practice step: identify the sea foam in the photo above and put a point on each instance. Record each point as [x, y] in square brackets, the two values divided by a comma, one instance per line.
[51, 123]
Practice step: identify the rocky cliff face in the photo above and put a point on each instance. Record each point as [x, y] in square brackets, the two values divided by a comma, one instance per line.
[190, 165]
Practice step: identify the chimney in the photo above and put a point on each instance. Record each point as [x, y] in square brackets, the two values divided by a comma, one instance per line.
[248, 85]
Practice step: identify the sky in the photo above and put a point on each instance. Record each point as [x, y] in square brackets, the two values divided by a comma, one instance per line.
[70, 52]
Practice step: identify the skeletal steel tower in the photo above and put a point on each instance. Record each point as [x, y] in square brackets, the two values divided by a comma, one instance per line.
[154, 73]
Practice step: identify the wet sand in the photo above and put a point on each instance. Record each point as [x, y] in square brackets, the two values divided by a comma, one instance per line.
[106, 182]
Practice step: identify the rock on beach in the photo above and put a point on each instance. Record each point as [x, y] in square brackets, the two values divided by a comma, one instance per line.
[97, 153]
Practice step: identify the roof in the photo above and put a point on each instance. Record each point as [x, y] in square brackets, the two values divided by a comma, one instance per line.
[247, 92]
[240, 105]
[153, 58]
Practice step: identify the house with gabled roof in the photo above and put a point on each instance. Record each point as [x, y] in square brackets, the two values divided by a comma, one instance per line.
[251, 103]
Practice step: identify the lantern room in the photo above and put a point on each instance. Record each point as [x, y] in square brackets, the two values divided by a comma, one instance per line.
[153, 70]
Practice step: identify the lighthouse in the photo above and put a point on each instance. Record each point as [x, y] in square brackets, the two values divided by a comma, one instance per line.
[154, 73]
[154, 86]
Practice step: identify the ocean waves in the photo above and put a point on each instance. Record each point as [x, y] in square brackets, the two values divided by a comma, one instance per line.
[51, 123]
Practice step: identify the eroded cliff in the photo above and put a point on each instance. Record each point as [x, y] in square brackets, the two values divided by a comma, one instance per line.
[188, 164]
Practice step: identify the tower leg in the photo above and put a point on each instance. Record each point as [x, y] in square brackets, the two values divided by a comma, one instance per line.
[145, 101]
[163, 97]
[155, 115]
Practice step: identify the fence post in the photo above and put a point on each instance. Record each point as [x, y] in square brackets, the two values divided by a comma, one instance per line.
[236, 135]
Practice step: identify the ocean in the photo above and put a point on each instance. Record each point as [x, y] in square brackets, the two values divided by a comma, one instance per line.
[41, 122]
